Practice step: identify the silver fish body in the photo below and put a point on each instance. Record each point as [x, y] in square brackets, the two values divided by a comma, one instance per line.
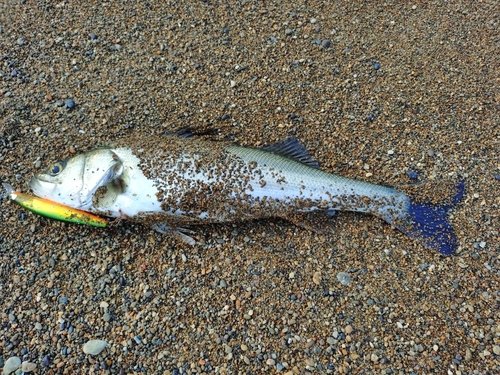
[186, 181]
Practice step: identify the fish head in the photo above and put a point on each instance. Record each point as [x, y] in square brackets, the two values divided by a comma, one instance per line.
[74, 181]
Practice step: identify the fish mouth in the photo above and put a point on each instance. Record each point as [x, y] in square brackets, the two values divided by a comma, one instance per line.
[41, 188]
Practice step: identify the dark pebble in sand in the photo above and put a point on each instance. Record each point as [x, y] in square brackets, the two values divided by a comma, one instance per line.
[326, 43]
[46, 361]
[69, 103]
[64, 300]
[376, 66]
[412, 174]
[497, 177]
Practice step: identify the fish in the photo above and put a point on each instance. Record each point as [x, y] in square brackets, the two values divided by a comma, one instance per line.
[174, 182]
[53, 210]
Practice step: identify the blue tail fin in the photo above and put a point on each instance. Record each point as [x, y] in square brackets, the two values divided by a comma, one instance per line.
[429, 224]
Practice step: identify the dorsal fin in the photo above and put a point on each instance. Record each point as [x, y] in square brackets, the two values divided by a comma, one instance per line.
[293, 149]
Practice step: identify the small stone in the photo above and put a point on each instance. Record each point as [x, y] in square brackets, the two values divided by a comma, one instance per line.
[64, 300]
[309, 362]
[390, 152]
[348, 329]
[94, 347]
[270, 362]
[325, 43]
[11, 365]
[46, 361]
[288, 31]
[376, 66]
[468, 354]
[244, 347]
[28, 366]
[412, 174]
[374, 357]
[317, 277]
[344, 278]
[496, 349]
[69, 103]
[232, 83]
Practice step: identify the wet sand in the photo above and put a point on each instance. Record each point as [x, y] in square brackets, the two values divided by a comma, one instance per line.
[388, 93]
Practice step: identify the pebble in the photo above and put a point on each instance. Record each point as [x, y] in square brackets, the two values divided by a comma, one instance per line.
[94, 347]
[317, 277]
[288, 31]
[11, 365]
[28, 366]
[326, 43]
[496, 349]
[64, 299]
[468, 354]
[412, 174]
[69, 103]
[344, 278]
[310, 362]
[46, 361]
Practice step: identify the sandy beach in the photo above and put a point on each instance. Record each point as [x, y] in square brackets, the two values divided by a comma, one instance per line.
[393, 93]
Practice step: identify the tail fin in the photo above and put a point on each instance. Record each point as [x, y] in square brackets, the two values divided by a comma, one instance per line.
[428, 223]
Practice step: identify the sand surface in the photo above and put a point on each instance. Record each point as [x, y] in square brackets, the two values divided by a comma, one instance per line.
[392, 93]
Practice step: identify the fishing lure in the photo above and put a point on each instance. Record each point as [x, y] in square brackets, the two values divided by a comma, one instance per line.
[53, 210]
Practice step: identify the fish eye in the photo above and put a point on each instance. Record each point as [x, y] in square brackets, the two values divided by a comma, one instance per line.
[55, 169]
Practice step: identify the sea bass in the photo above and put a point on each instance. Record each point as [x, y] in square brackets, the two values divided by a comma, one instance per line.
[184, 181]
